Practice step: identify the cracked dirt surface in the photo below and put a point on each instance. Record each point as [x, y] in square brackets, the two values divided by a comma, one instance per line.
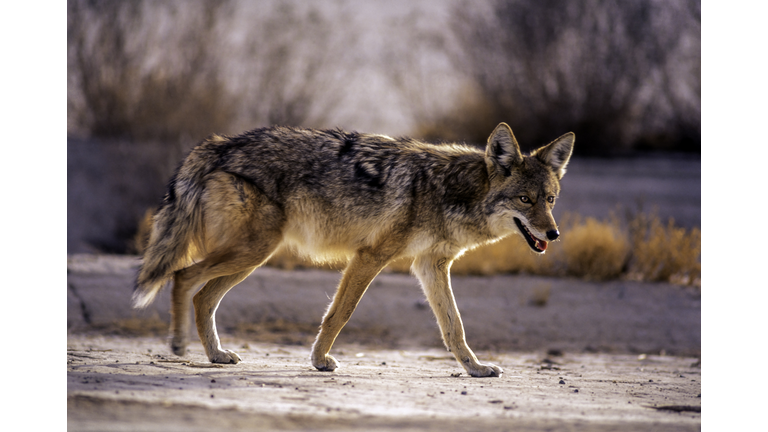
[132, 384]
[609, 356]
[498, 312]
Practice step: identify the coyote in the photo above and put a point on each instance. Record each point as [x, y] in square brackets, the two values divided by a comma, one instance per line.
[331, 194]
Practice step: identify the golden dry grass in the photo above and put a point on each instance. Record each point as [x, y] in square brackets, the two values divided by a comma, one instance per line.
[642, 248]
[664, 252]
[595, 250]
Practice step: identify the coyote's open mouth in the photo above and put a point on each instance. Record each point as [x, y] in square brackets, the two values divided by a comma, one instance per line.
[538, 246]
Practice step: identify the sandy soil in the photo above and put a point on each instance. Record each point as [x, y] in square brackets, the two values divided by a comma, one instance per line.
[576, 355]
[505, 312]
[131, 384]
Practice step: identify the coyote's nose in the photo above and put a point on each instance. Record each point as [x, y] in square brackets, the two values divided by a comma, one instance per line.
[553, 234]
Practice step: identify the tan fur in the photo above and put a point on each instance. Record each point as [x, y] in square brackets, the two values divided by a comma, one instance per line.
[333, 195]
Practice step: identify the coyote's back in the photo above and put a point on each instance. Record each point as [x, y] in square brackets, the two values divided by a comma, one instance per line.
[330, 195]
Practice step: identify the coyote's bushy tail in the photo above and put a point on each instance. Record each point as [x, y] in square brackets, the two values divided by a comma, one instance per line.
[177, 231]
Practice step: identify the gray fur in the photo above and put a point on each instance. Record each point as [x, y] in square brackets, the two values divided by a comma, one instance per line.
[335, 195]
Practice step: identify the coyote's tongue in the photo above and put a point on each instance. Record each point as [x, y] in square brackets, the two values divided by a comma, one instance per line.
[541, 244]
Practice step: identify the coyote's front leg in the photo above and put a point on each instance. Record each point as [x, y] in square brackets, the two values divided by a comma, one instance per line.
[360, 271]
[433, 272]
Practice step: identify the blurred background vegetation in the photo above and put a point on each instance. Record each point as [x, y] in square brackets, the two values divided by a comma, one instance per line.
[147, 80]
[623, 76]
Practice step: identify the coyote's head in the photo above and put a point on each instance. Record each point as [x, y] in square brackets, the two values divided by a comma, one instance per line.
[524, 188]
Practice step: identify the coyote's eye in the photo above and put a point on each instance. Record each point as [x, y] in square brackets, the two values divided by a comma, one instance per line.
[525, 199]
[550, 199]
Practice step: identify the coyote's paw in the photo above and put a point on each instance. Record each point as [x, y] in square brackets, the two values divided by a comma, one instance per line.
[179, 346]
[325, 364]
[485, 370]
[224, 356]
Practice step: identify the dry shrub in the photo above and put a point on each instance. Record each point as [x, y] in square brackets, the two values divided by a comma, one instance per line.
[119, 87]
[177, 71]
[589, 249]
[509, 255]
[664, 253]
[471, 120]
[621, 75]
[595, 250]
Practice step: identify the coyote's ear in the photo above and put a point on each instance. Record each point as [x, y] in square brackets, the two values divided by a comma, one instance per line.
[502, 152]
[557, 153]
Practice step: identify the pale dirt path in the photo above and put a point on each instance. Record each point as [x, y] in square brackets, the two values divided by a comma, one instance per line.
[498, 312]
[134, 384]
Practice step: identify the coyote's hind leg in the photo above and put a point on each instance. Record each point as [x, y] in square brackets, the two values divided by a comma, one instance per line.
[222, 272]
[213, 292]
[220, 276]
[243, 228]
[206, 302]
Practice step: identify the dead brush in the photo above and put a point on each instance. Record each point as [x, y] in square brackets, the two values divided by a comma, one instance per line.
[589, 249]
[641, 249]
[595, 250]
[509, 255]
[664, 253]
